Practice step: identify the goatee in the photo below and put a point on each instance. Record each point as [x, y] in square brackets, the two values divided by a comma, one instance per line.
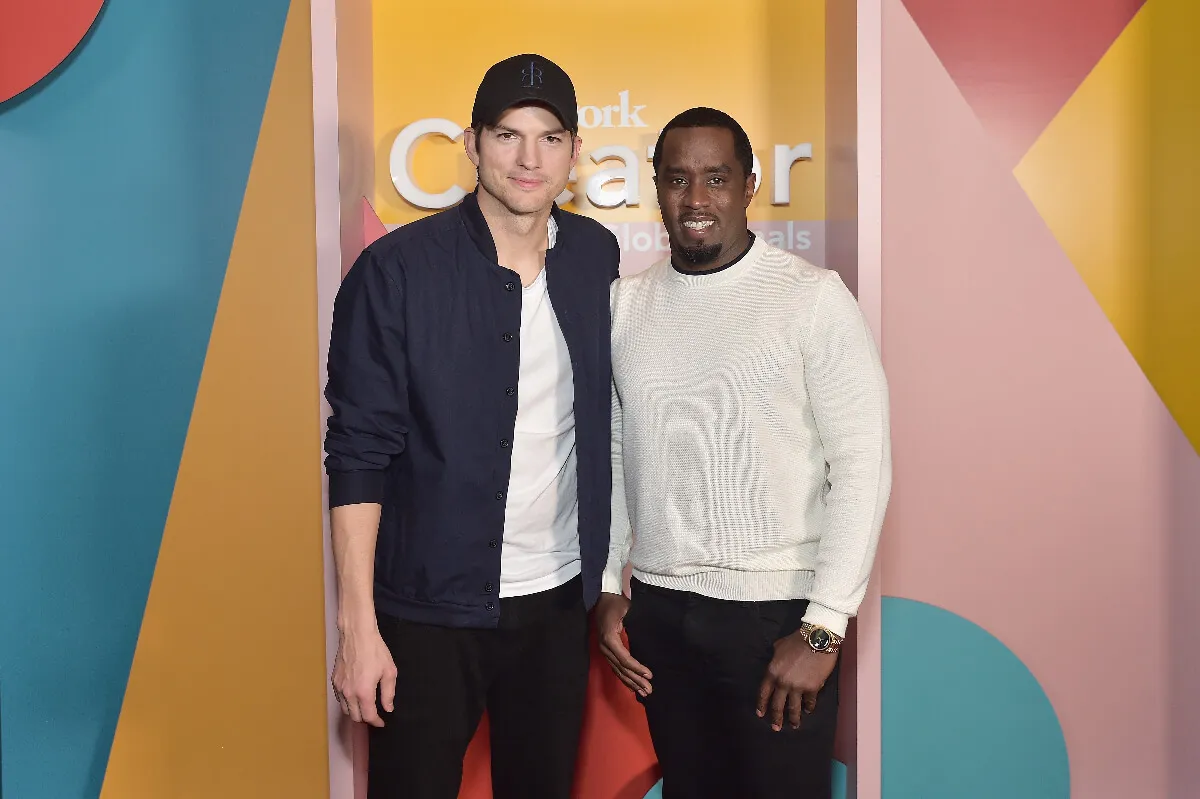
[701, 255]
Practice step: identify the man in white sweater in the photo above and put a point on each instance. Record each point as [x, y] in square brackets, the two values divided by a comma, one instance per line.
[751, 470]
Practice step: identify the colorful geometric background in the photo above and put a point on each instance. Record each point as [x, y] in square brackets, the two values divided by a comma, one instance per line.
[1040, 299]
[160, 554]
[161, 618]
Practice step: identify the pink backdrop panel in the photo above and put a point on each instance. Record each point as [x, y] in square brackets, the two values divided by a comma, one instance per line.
[1040, 480]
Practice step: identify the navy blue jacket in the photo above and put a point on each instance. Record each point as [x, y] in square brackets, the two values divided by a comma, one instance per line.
[423, 364]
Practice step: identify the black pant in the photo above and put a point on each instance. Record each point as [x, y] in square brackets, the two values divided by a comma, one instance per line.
[530, 675]
[708, 658]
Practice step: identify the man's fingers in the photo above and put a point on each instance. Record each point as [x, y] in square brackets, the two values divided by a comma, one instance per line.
[629, 670]
[810, 702]
[368, 708]
[387, 691]
[778, 704]
[764, 695]
[635, 681]
[355, 715]
[796, 703]
[627, 661]
[630, 682]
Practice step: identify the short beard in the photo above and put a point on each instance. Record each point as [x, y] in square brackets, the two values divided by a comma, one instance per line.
[700, 256]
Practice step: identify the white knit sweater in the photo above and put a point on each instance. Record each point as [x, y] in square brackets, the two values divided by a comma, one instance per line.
[751, 446]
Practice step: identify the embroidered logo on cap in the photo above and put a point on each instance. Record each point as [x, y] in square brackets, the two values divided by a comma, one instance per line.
[531, 78]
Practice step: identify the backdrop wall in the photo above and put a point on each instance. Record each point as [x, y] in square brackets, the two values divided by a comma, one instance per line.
[629, 85]
[1040, 333]
[1037, 309]
[631, 80]
[161, 631]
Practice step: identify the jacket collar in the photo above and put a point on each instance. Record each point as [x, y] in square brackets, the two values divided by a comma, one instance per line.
[481, 234]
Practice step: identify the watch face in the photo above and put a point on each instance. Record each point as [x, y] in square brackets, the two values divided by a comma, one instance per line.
[820, 639]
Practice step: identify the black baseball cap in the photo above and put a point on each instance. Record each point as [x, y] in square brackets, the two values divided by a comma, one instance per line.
[523, 79]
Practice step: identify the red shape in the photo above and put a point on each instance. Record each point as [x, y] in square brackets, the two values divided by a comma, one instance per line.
[1017, 62]
[373, 228]
[36, 36]
[616, 758]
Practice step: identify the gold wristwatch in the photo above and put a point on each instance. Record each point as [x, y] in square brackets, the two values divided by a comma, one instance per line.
[820, 639]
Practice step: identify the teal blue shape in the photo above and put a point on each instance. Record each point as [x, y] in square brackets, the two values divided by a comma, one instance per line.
[839, 783]
[121, 182]
[839, 779]
[962, 715]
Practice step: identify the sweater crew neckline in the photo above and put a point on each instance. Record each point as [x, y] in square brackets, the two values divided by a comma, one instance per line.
[724, 274]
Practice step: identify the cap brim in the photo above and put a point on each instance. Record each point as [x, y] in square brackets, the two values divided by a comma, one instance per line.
[529, 99]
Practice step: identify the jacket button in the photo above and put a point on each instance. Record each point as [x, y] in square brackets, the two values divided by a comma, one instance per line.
[510, 391]
[492, 544]
[508, 336]
[489, 606]
[499, 495]
[487, 588]
[510, 286]
[504, 443]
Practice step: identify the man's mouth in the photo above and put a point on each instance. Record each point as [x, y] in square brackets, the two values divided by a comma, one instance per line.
[698, 225]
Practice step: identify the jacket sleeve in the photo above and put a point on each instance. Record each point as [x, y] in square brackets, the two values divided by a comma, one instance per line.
[367, 389]
[615, 262]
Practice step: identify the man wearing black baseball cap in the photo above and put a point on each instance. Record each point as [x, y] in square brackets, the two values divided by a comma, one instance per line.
[468, 461]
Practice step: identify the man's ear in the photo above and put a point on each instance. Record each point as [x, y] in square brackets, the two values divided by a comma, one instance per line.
[471, 145]
[576, 148]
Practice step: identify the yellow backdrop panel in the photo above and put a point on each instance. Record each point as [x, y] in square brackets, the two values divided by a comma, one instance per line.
[635, 65]
[1114, 177]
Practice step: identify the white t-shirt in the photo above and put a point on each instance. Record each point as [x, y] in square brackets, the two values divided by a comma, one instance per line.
[541, 530]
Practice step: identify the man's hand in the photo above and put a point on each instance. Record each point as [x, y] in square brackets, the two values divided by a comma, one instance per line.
[610, 615]
[364, 664]
[792, 681]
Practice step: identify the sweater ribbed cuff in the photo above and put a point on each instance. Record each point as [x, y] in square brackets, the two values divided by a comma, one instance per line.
[831, 620]
[612, 581]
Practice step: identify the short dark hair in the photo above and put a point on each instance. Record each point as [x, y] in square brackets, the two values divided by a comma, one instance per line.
[702, 117]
